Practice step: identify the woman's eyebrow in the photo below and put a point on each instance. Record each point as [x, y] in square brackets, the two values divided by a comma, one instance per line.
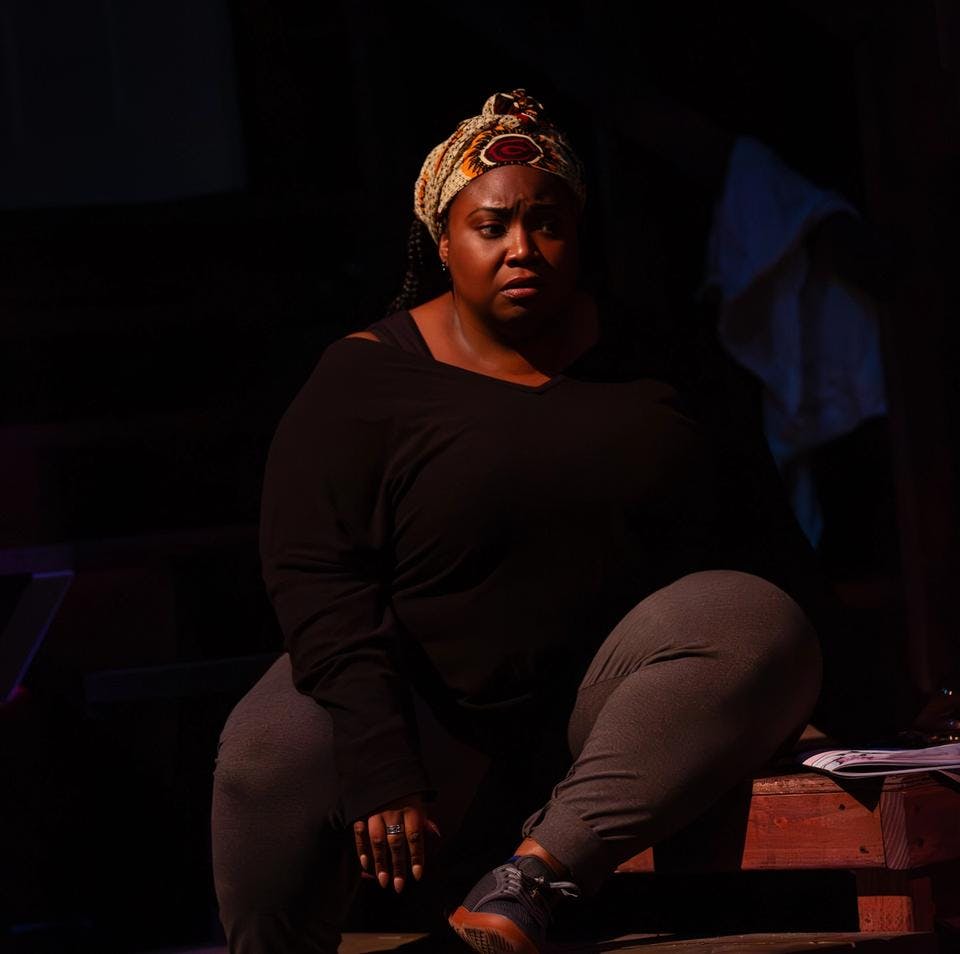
[495, 209]
[506, 210]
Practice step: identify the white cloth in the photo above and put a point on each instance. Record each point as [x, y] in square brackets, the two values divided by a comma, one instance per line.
[811, 338]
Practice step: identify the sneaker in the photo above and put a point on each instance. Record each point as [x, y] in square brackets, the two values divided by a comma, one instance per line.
[509, 908]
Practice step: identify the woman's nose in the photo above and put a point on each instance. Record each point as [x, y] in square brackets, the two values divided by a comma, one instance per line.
[522, 247]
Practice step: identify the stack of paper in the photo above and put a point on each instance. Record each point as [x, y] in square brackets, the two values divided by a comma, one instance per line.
[854, 763]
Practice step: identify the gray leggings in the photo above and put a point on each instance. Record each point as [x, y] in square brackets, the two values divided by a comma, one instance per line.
[695, 688]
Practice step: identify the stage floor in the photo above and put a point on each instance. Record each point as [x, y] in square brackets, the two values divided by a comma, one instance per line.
[661, 944]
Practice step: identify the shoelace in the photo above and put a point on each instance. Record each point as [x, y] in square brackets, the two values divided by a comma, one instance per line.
[530, 888]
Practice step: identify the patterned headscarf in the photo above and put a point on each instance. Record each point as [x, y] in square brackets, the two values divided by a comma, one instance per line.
[510, 131]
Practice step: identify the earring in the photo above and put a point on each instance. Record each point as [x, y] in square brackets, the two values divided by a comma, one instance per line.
[443, 266]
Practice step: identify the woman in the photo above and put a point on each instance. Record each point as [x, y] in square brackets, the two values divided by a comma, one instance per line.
[495, 504]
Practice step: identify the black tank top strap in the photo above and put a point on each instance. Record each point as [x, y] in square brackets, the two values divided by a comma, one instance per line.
[401, 331]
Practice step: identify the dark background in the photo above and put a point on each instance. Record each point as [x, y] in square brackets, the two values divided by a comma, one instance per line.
[195, 198]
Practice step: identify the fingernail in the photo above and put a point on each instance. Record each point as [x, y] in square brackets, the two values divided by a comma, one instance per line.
[417, 871]
[383, 878]
[398, 885]
[364, 862]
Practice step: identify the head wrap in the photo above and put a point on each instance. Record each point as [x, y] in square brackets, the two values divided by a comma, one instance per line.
[510, 131]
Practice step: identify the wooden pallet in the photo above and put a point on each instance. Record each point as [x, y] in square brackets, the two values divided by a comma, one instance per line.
[899, 834]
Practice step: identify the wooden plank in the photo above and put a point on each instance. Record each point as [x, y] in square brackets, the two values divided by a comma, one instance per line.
[812, 831]
[893, 901]
[370, 943]
[763, 944]
[808, 820]
[921, 825]
[807, 782]
[783, 832]
[794, 821]
[364, 943]
[812, 820]
[781, 780]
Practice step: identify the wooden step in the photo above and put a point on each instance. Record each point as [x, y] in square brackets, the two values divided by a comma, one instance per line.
[370, 943]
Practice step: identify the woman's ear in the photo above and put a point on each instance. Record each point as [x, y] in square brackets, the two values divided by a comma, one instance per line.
[443, 246]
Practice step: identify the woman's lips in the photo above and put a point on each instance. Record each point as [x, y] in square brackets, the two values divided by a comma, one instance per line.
[519, 292]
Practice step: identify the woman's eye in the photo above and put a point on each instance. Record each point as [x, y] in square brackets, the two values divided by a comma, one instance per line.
[491, 229]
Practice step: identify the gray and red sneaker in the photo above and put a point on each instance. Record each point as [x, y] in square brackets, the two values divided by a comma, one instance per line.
[509, 909]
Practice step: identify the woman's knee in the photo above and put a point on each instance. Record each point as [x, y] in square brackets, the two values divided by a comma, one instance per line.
[284, 869]
[782, 630]
[276, 740]
[755, 622]
[766, 641]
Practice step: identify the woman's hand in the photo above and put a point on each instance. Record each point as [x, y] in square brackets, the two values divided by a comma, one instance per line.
[394, 852]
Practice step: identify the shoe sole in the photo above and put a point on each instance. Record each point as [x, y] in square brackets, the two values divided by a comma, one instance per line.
[491, 933]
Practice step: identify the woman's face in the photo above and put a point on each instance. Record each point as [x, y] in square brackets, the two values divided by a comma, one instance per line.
[510, 243]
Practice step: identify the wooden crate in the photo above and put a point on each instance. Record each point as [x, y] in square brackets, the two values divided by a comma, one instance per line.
[899, 834]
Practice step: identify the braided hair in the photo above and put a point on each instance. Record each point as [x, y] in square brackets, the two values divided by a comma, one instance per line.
[424, 279]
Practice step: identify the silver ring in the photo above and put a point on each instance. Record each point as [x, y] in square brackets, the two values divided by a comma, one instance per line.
[394, 829]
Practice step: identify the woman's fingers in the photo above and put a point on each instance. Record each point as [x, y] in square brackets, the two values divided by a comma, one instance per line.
[391, 842]
[376, 830]
[388, 841]
[397, 840]
[362, 843]
[413, 831]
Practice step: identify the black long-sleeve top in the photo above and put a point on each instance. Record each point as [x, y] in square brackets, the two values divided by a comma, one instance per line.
[427, 525]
